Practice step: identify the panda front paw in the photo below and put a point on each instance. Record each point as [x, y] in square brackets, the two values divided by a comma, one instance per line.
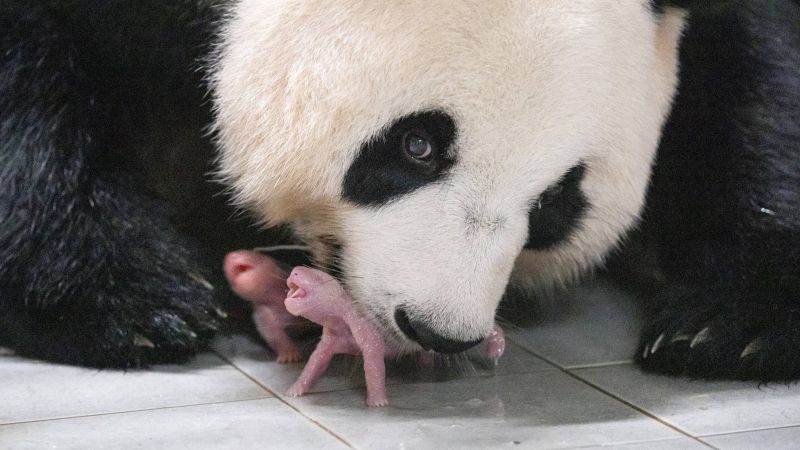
[164, 335]
[740, 338]
[167, 328]
[162, 320]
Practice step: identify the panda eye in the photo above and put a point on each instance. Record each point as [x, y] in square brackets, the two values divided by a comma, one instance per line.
[412, 152]
[417, 145]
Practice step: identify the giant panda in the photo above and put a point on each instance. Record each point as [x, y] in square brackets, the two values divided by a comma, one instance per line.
[431, 155]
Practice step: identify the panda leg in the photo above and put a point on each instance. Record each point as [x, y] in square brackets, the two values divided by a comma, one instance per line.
[731, 305]
[101, 281]
[725, 201]
[91, 270]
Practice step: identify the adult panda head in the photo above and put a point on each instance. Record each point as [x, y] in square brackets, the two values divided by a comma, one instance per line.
[429, 147]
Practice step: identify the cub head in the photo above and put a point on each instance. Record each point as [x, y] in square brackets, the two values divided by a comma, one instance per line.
[425, 148]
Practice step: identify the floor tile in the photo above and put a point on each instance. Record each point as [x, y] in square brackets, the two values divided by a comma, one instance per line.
[346, 372]
[256, 424]
[671, 444]
[775, 439]
[547, 409]
[590, 324]
[33, 390]
[701, 407]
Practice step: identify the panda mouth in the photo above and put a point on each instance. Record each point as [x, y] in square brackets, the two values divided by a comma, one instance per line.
[402, 320]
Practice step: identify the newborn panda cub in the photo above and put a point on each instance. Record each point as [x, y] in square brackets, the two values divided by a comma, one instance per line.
[315, 295]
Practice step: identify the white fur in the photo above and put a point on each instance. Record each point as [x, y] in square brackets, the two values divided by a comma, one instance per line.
[534, 88]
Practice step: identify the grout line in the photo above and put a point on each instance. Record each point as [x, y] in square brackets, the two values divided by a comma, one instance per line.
[134, 411]
[618, 444]
[543, 358]
[621, 362]
[642, 411]
[752, 430]
[282, 400]
[637, 408]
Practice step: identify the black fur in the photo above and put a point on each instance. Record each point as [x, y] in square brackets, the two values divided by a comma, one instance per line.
[558, 211]
[100, 104]
[725, 200]
[383, 172]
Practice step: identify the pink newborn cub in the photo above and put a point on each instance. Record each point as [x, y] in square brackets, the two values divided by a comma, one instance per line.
[318, 297]
[258, 279]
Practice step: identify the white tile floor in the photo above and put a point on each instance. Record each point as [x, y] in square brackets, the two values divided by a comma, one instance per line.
[565, 382]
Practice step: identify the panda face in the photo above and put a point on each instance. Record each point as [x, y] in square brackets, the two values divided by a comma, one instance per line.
[429, 150]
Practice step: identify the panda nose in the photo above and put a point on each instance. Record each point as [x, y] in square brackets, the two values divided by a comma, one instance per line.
[425, 336]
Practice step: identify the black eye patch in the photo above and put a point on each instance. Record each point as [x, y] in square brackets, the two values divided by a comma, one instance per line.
[383, 169]
[558, 211]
